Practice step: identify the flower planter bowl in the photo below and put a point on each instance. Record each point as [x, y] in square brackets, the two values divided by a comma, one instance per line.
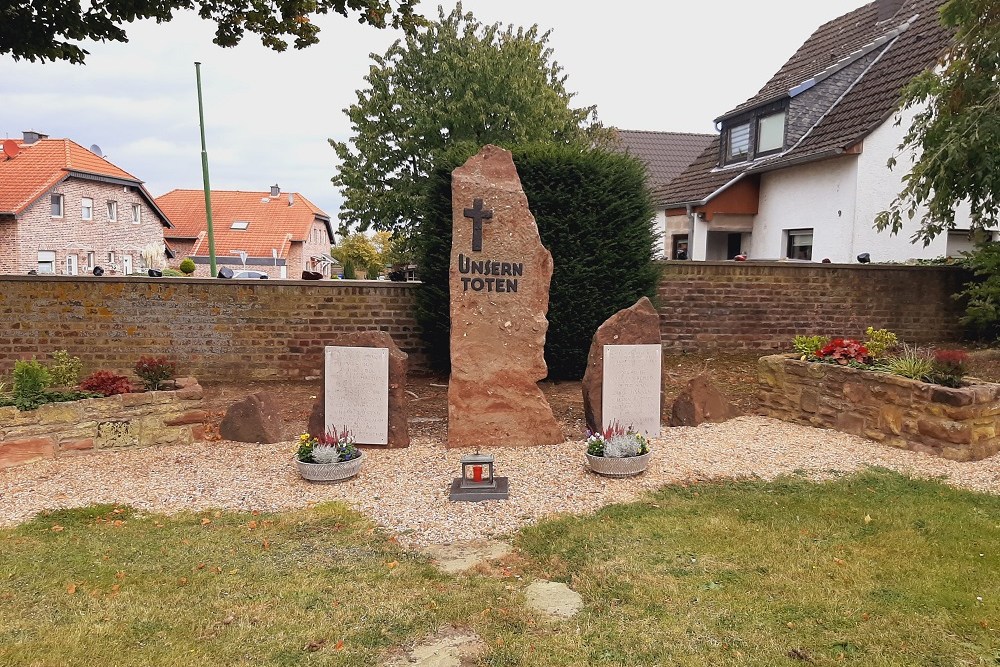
[628, 466]
[330, 472]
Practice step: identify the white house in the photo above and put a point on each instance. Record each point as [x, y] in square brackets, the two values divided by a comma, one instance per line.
[799, 171]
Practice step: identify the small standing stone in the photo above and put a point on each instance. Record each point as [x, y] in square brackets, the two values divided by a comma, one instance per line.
[701, 401]
[254, 419]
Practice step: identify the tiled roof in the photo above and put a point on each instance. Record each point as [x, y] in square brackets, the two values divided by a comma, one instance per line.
[665, 154]
[39, 166]
[903, 49]
[273, 224]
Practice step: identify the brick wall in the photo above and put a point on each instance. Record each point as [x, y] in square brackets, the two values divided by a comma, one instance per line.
[215, 329]
[71, 235]
[273, 329]
[763, 305]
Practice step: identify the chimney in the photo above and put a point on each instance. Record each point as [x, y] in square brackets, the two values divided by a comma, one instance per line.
[291, 199]
[275, 190]
[887, 9]
[31, 136]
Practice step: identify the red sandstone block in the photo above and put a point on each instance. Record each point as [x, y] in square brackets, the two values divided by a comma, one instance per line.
[24, 450]
[190, 417]
[80, 445]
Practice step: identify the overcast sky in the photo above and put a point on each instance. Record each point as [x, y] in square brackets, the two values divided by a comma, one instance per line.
[646, 64]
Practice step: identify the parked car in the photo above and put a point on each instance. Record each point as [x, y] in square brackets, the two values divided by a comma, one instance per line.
[249, 274]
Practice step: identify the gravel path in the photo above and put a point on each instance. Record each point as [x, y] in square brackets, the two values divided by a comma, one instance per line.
[406, 490]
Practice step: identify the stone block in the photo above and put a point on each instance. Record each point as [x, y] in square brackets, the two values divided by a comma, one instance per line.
[25, 450]
[952, 397]
[76, 445]
[809, 401]
[185, 382]
[856, 392]
[700, 402]
[146, 398]
[891, 419]
[190, 393]
[189, 417]
[848, 422]
[59, 413]
[945, 430]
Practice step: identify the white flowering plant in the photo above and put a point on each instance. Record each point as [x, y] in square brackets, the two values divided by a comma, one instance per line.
[335, 447]
[616, 441]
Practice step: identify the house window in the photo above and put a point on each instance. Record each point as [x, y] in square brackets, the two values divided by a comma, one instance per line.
[136, 213]
[111, 257]
[240, 224]
[799, 244]
[679, 246]
[57, 206]
[90, 260]
[112, 211]
[87, 208]
[46, 261]
[771, 133]
[738, 143]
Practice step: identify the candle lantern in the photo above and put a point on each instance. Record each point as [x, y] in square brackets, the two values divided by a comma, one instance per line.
[478, 481]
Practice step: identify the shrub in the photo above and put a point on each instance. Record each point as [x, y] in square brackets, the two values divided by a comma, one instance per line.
[187, 266]
[879, 341]
[64, 369]
[911, 362]
[949, 367]
[843, 351]
[31, 378]
[106, 383]
[154, 371]
[594, 214]
[173, 273]
[809, 346]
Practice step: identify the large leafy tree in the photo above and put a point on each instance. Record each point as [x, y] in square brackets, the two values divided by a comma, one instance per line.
[956, 130]
[47, 29]
[456, 81]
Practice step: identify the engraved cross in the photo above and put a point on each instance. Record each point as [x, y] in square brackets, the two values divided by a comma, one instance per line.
[478, 215]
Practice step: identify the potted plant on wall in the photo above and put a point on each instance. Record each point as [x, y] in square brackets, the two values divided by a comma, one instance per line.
[617, 452]
[328, 458]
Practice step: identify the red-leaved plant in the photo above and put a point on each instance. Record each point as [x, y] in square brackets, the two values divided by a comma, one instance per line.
[951, 362]
[153, 371]
[106, 383]
[843, 351]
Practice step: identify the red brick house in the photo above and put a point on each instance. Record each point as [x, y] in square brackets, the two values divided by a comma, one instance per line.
[280, 234]
[65, 210]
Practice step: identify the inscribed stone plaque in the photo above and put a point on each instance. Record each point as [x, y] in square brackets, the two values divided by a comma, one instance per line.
[631, 391]
[357, 392]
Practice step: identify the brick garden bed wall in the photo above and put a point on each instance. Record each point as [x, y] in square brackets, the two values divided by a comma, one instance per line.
[958, 424]
[763, 305]
[125, 420]
[215, 329]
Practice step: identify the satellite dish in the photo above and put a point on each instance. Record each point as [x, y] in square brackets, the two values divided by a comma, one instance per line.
[10, 148]
[96, 150]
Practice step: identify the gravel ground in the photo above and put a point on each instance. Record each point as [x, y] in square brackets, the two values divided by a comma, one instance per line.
[406, 490]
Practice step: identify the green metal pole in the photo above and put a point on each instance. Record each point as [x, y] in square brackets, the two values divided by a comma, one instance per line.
[204, 175]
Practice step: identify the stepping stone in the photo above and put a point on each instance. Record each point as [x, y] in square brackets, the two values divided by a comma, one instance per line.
[553, 599]
[449, 648]
[461, 556]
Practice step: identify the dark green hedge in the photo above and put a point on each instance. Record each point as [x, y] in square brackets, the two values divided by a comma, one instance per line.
[595, 216]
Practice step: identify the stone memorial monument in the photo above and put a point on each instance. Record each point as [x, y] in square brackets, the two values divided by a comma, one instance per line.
[499, 283]
[632, 388]
[638, 324]
[364, 388]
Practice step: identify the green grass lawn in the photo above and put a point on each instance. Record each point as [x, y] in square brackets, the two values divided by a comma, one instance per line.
[872, 569]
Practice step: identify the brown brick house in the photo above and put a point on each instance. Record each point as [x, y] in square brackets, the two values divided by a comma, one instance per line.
[281, 234]
[65, 210]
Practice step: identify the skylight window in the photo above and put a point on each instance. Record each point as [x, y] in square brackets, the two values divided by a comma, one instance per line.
[240, 224]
